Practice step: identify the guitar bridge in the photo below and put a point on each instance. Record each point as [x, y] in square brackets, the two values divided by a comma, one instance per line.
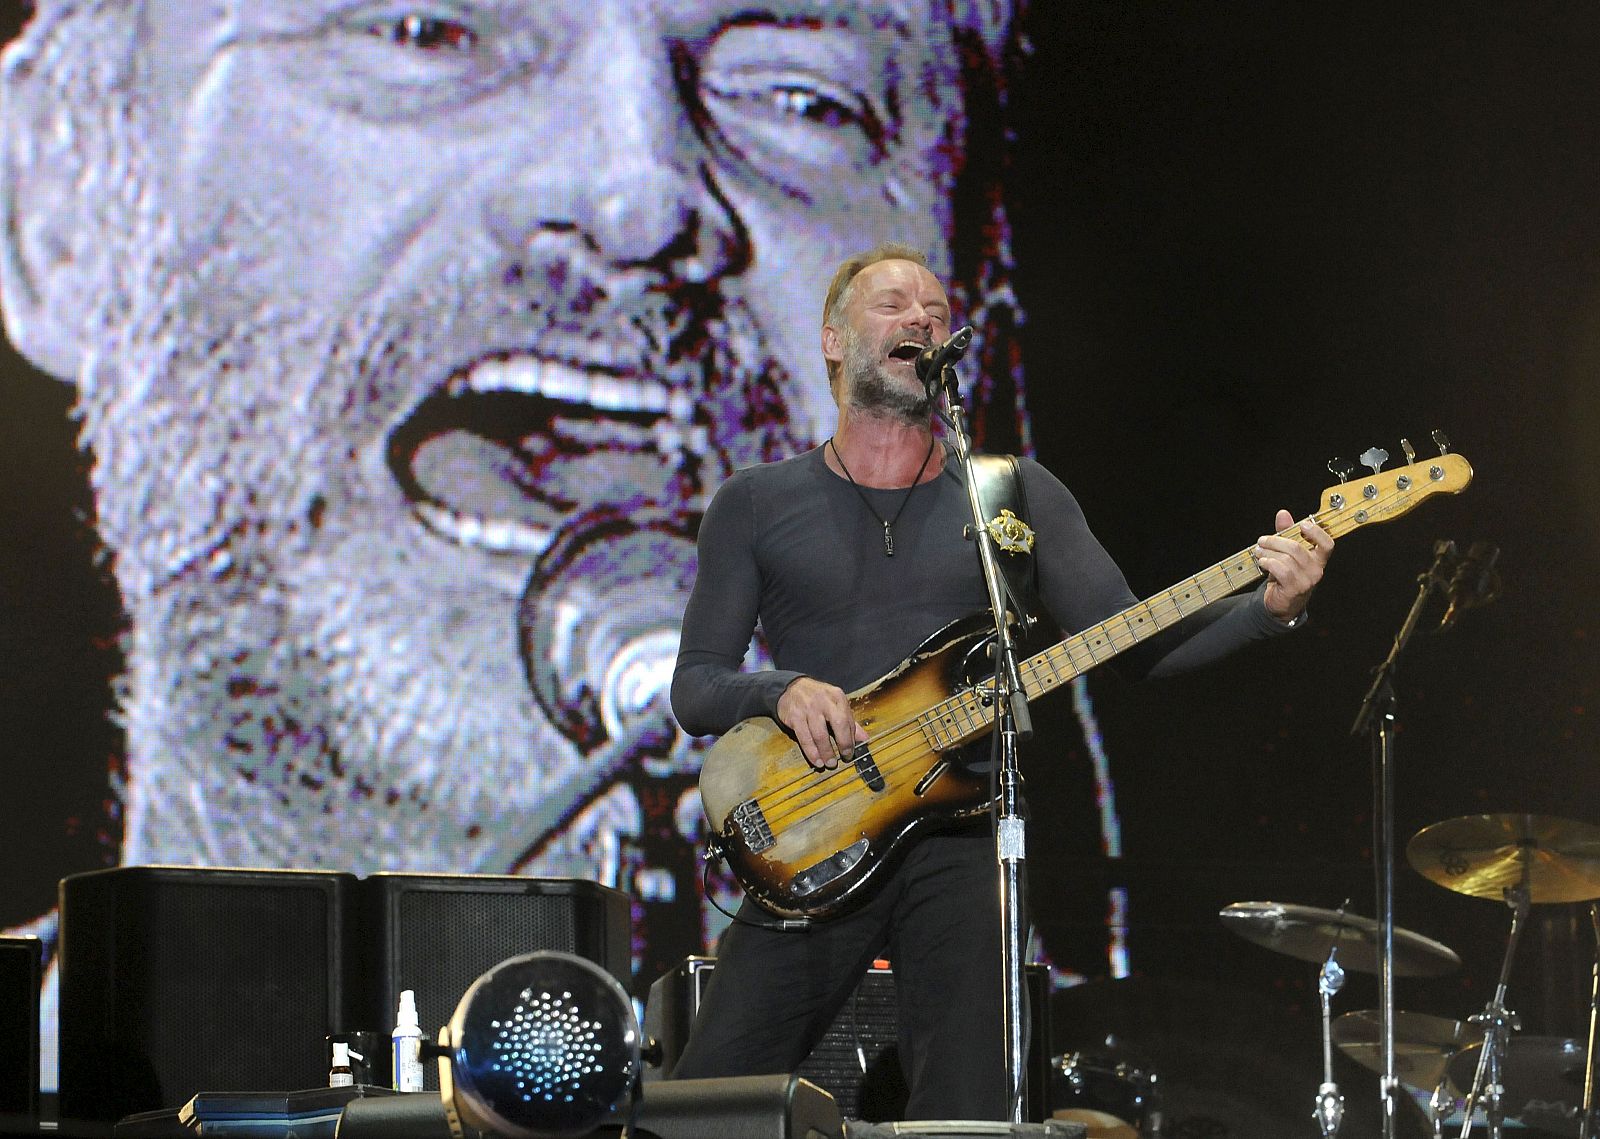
[748, 819]
[830, 869]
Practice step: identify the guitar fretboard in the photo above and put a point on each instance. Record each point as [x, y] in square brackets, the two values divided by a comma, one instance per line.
[1350, 506]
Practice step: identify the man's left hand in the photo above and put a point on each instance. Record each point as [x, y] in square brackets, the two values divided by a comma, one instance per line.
[1292, 568]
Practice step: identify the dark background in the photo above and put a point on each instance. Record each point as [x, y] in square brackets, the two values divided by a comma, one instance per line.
[1252, 237]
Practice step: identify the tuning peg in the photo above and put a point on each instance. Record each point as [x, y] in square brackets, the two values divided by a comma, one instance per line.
[1342, 469]
[1375, 457]
[1411, 453]
[1441, 442]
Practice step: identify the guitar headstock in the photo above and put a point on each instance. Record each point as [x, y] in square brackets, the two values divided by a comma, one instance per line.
[1385, 495]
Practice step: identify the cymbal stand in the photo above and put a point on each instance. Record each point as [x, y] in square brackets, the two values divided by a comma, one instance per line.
[1440, 1104]
[1498, 1022]
[1588, 1129]
[1377, 717]
[1329, 1112]
[1012, 724]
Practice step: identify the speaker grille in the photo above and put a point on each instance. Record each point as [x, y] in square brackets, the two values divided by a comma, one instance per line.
[867, 1084]
[176, 981]
[436, 934]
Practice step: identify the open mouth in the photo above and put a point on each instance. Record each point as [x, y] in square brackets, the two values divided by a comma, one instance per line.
[906, 351]
[509, 445]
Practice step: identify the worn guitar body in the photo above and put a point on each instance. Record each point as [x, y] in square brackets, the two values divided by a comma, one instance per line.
[807, 843]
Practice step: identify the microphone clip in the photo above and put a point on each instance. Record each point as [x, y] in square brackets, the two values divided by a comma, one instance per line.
[934, 365]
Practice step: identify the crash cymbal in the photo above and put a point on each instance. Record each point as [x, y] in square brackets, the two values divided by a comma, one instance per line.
[1483, 855]
[1423, 1044]
[1309, 933]
[1542, 1077]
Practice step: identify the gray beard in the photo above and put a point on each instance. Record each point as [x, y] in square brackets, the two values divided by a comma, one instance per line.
[312, 680]
[875, 393]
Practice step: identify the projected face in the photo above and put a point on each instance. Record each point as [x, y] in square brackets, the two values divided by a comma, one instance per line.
[411, 337]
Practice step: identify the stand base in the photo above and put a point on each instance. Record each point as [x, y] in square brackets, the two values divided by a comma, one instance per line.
[965, 1129]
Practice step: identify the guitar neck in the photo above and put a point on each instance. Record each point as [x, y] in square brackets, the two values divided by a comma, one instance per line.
[1097, 644]
[1346, 507]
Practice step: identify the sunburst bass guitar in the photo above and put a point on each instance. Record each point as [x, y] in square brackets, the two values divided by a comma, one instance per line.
[807, 843]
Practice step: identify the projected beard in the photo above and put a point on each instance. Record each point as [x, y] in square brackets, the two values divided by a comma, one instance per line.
[324, 656]
[403, 574]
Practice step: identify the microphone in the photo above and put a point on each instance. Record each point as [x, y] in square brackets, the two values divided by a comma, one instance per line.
[931, 362]
[1474, 583]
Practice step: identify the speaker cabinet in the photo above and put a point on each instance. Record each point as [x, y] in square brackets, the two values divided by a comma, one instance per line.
[437, 933]
[21, 973]
[857, 1060]
[178, 980]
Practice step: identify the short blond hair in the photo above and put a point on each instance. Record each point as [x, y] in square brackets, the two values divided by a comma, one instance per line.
[841, 288]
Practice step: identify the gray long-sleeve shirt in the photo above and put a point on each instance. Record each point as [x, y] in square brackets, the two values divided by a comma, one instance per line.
[791, 546]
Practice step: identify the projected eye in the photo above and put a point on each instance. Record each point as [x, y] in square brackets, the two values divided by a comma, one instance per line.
[824, 110]
[784, 117]
[390, 59]
[425, 32]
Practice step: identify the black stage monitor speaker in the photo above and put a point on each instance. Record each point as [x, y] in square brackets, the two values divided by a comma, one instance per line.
[438, 933]
[865, 1029]
[178, 980]
[21, 972]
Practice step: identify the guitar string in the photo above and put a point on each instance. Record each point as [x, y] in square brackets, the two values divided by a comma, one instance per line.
[885, 748]
[886, 751]
[900, 732]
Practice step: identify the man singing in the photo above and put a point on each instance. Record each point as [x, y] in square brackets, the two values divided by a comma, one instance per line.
[848, 556]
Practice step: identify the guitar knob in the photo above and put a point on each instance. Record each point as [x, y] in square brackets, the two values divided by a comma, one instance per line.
[1375, 457]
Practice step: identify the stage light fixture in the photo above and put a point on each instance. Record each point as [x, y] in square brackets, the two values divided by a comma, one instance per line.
[542, 1046]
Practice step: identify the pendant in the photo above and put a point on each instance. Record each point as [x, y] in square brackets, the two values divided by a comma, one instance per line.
[888, 541]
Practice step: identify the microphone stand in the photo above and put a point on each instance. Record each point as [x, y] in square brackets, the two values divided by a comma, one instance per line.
[1012, 724]
[1588, 1129]
[1377, 717]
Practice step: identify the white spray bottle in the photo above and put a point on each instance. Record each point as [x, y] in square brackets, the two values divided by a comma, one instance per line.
[407, 1045]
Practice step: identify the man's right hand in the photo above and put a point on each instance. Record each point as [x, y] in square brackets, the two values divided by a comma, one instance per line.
[819, 715]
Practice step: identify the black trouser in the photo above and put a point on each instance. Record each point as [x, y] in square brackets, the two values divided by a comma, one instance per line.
[774, 994]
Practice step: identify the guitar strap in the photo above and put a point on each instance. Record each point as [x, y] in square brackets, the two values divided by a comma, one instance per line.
[999, 489]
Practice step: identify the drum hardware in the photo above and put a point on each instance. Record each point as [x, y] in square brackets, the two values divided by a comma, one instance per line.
[1329, 1110]
[1524, 859]
[1424, 1046]
[1109, 1090]
[1543, 1076]
[1312, 934]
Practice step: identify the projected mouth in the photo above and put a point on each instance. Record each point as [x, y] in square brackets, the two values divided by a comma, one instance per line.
[906, 350]
[508, 446]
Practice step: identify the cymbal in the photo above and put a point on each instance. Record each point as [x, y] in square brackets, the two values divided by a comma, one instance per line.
[1423, 1044]
[1542, 1077]
[1483, 855]
[1309, 933]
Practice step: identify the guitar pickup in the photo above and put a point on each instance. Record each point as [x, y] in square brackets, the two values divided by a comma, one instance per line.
[830, 869]
[927, 780]
[748, 819]
[867, 768]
